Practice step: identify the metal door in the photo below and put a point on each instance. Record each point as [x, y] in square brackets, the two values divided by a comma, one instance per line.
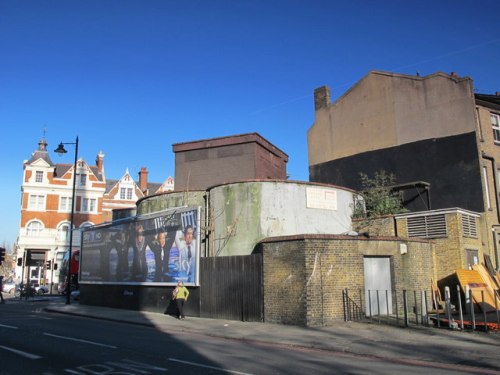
[378, 287]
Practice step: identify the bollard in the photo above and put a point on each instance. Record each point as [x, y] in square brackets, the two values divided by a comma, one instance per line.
[370, 304]
[460, 308]
[471, 307]
[387, 303]
[423, 308]
[416, 306]
[405, 308]
[378, 305]
[484, 312]
[397, 308]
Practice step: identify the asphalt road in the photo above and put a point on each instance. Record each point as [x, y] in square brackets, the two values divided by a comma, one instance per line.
[33, 341]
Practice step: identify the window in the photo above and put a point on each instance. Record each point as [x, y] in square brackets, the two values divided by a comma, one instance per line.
[431, 226]
[83, 179]
[63, 232]
[495, 123]
[126, 193]
[39, 176]
[36, 202]
[88, 205]
[472, 258]
[65, 204]
[486, 188]
[34, 228]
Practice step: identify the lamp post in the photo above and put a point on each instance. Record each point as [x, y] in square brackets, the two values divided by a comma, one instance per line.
[61, 150]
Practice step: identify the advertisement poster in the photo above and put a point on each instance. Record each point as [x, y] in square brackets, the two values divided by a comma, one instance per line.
[157, 249]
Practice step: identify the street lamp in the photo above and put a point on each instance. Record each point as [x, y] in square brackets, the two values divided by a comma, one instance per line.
[61, 150]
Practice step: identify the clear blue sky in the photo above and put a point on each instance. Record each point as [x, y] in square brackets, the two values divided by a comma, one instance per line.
[133, 77]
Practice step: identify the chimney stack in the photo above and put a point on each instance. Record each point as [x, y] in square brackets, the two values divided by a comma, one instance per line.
[99, 161]
[321, 97]
[143, 179]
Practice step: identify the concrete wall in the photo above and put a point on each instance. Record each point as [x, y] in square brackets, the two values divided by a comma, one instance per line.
[304, 276]
[242, 214]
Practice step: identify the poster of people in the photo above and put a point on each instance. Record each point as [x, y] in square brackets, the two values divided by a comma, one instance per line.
[161, 248]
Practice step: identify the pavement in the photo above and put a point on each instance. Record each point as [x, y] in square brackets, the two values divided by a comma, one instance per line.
[436, 348]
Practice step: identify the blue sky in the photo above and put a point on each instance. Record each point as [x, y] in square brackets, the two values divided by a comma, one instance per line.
[133, 77]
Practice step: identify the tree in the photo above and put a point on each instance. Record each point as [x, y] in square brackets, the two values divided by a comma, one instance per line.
[379, 197]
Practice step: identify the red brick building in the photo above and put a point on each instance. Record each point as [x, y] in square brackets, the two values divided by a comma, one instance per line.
[46, 200]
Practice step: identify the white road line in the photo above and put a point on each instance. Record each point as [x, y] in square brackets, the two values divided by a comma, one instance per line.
[80, 340]
[24, 354]
[6, 326]
[210, 367]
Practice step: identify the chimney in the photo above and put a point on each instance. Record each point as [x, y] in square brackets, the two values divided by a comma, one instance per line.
[143, 179]
[99, 161]
[453, 74]
[321, 97]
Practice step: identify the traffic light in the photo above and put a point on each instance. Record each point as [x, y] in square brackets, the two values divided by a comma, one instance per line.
[48, 264]
[2, 254]
[19, 262]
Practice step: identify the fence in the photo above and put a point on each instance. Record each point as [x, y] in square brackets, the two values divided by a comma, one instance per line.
[231, 288]
[405, 308]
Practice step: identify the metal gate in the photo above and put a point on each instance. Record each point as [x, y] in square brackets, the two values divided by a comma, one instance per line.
[231, 288]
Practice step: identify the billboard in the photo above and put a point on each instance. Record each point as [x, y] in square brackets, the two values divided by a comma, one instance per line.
[156, 249]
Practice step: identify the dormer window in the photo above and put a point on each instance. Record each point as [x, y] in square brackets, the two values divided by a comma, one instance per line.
[39, 176]
[83, 179]
[126, 193]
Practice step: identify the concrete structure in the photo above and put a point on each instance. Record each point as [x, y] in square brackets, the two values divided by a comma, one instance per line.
[204, 163]
[236, 216]
[242, 214]
[433, 130]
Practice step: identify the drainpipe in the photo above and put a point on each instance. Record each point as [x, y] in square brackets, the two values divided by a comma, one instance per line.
[495, 183]
[207, 224]
[495, 246]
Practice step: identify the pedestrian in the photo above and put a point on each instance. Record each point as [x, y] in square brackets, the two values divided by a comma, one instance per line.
[1, 289]
[180, 295]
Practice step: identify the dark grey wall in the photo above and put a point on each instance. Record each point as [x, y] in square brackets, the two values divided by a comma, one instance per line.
[449, 164]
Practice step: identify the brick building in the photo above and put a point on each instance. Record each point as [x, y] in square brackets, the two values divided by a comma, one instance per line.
[46, 202]
[439, 139]
[203, 163]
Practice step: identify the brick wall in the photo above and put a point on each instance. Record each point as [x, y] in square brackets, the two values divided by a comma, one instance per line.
[304, 277]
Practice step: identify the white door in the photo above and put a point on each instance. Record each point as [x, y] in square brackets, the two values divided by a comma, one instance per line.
[378, 287]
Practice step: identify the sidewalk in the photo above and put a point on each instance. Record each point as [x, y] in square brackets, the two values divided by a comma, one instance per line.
[438, 348]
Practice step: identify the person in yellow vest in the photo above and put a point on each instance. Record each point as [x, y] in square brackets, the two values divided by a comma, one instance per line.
[180, 295]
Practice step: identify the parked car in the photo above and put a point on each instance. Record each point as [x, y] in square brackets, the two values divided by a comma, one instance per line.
[9, 287]
[40, 289]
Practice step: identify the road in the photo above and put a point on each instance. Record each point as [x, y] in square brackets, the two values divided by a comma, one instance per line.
[36, 342]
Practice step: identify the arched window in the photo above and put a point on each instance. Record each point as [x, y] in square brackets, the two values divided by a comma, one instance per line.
[63, 231]
[34, 228]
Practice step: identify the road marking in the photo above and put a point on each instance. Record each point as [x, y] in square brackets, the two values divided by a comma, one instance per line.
[210, 367]
[80, 340]
[6, 326]
[24, 354]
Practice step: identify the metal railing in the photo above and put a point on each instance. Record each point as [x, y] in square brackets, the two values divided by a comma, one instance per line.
[405, 308]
